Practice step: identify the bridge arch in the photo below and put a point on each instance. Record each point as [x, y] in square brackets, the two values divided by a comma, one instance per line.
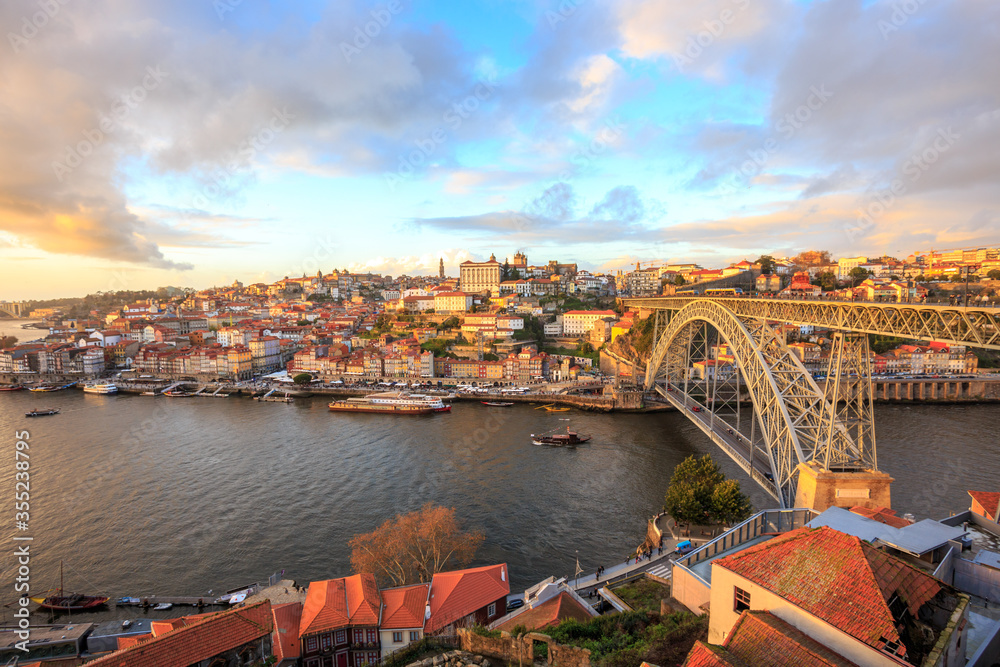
[791, 412]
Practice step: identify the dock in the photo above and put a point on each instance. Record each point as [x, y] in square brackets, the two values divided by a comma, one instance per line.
[270, 398]
[177, 601]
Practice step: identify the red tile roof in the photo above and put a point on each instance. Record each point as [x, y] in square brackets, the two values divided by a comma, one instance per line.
[838, 578]
[325, 607]
[988, 499]
[364, 604]
[211, 635]
[132, 640]
[706, 655]
[336, 603]
[758, 638]
[551, 612]
[882, 515]
[404, 607]
[459, 593]
[286, 630]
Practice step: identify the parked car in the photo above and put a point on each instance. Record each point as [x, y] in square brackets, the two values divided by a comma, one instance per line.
[514, 604]
[684, 547]
[695, 408]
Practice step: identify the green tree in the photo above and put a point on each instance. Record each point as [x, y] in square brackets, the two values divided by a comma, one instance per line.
[689, 496]
[858, 275]
[994, 274]
[679, 280]
[766, 263]
[827, 280]
[729, 504]
[451, 323]
[302, 378]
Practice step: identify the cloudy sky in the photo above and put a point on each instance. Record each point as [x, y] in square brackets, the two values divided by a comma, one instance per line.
[200, 141]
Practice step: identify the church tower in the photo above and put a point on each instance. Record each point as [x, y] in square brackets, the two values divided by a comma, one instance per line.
[441, 268]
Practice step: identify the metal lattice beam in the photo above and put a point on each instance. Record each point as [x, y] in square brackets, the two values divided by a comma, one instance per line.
[796, 422]
[973, 326]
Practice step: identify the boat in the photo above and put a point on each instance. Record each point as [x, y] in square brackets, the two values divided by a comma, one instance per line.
[64, 601]
[497, 404]
[551, 407]
[559, 439]
[148, 393]
[100, 388]
[163, 606]
[11, 387]
[177, 393]
[50, 387]
[391, 402]
[44, 412]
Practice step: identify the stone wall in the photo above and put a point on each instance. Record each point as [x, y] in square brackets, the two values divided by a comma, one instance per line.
[520, 650]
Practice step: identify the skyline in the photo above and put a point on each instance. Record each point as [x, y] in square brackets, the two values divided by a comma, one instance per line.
[199, 143]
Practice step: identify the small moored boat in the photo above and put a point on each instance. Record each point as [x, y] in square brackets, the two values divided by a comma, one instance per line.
[497, 404]
[44, 412]
[559, 439]
[65, 601]
[163, 606]
[177, 393]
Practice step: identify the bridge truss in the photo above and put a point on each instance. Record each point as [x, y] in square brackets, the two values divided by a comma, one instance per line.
[764, 409]
[972, 326]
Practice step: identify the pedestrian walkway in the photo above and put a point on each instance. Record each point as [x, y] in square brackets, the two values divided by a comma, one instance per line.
[662, 571]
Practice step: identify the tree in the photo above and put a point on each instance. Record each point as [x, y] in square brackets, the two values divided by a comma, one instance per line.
[451, 323]
[994, 274]
[679, 280]
[412, 548]
[302, 378]
[8, 341]
[689, 496]
[729, 504]
[827, 280]
[858, 274]
[766, 264]
[812, 258]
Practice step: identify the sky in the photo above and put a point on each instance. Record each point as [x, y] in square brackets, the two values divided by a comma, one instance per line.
[197, 142]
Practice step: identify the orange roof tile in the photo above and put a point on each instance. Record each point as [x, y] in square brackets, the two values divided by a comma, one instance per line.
[706, 655]
[988, 499]
[459, 593]
[132, 640]
[364, 604]
[551, 612]
[209, 636]
[882, 515]
[286, 625]
[325, 607]
[404, 607]
[759, 638]
[838, 578]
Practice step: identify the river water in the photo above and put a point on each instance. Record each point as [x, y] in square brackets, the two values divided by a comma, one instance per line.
[141, 495]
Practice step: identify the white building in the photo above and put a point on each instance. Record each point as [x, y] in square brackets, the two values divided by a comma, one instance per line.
[478, 277]
[580, 322]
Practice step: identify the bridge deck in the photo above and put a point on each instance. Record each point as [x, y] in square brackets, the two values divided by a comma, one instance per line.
[736, 445]
[976, 326]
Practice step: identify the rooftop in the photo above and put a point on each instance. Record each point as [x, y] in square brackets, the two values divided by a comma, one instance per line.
[456, 594]
[916, 539]
[851, 585]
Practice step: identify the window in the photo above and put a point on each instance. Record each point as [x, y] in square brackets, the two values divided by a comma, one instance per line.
[373, 636]
[742, 601]
[397, 637]
[341, 637]
[373, 658]
[325, 641]
[414, 635]
[492, 609]
[359, 636]
[311, 644]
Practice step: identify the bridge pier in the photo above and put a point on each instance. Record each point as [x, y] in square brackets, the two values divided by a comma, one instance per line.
[820, 489]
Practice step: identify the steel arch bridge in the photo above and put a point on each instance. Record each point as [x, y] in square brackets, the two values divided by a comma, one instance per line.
[792, 422]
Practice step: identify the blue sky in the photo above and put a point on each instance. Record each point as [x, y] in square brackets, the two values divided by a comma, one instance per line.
[194, 143]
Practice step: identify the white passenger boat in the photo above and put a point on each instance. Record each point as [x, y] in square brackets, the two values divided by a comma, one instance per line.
[100, 388]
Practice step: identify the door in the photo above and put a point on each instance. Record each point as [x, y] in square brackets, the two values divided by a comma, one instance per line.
[342, 659]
